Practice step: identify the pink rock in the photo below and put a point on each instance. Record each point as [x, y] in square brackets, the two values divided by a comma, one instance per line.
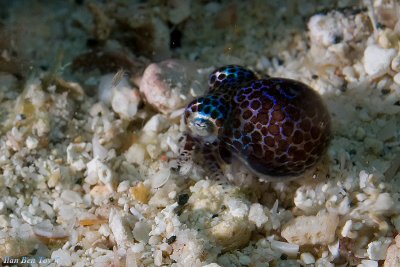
[172, 84]
[393, 254]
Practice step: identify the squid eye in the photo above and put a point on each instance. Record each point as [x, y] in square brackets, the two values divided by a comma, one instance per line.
[202, 127]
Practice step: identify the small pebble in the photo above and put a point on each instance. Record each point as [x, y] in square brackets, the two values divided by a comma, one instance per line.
[122, 97]
[125, 102]
[120, 229]
[395, 65]
[141, 193]
[396, 78]
[383, 204]
[156, 123]
[368, 263]
[232, 234]
[157, 257]
[307, 258]
[377, 60]
[160, 178]
[31, 142]
[288, 249]
[135, 154]
[63, 256]
[141, 231]
[311, 230]
[244, 260]
[70, 196]
[324, 29]
[137, 247]
[123, 186]
[387, 38]
[257, 215]
[377, 249]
